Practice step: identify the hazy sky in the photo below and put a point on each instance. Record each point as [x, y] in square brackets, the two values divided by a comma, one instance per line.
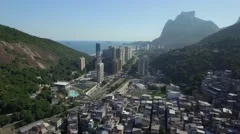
[122, 20]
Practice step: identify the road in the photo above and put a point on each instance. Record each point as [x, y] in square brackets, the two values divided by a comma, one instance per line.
[100, 92]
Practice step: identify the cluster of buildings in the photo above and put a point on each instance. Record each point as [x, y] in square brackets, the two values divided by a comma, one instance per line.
[118, 113]
[173, 113]
[61, 87]
[181, 114]
[70, 91]
[221, 90]
[221, 93]
[176, 113]
[119, 56]
[143, 47]
[72, 123]
[50, 126]
[215, 113]
[99, 65]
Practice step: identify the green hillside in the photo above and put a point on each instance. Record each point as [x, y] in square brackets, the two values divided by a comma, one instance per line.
[18, 83]
[12, 35]
[188, 65]
[231, 31]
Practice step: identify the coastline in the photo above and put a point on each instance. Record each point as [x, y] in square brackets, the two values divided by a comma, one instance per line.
[89, 47]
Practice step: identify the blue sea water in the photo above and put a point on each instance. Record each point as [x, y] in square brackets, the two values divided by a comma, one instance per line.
[89, 47]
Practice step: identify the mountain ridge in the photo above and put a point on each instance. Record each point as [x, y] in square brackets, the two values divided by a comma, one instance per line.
[231, 31]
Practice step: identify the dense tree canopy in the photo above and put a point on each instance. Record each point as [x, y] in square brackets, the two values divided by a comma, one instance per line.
[17, 85]
[189, 65]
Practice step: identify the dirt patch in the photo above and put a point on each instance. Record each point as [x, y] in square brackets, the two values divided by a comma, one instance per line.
[38, 55]
[41, 65]
[32, 55]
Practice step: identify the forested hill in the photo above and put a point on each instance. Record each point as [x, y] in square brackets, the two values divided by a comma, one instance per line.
[32, 51]
[22, 58]
[231, 31]
[188, 65]
[183, 64]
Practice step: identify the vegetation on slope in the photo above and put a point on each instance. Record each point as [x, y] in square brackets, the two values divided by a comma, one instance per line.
[233, 31]
[17, 84]
[12, 35]
[189, 65]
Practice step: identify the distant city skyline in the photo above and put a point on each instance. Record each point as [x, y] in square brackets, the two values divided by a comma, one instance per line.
[107, 20]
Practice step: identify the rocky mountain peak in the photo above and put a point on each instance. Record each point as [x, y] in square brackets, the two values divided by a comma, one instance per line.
[186, 29]
[188, 14]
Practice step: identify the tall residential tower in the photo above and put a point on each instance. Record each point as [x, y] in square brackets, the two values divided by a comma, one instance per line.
[115, 66]
[99, 65]
[113, 52]
[120, 52]
[143, 65]
[100, 72]
[98, 51]
[128, 53]
[82, 63]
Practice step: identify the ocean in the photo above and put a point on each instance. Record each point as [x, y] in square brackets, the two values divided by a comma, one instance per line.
[89, 47]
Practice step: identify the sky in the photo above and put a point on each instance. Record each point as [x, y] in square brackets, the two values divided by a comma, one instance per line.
[108, 20]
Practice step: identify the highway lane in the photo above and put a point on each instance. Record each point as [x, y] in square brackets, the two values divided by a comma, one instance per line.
[100, 92]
